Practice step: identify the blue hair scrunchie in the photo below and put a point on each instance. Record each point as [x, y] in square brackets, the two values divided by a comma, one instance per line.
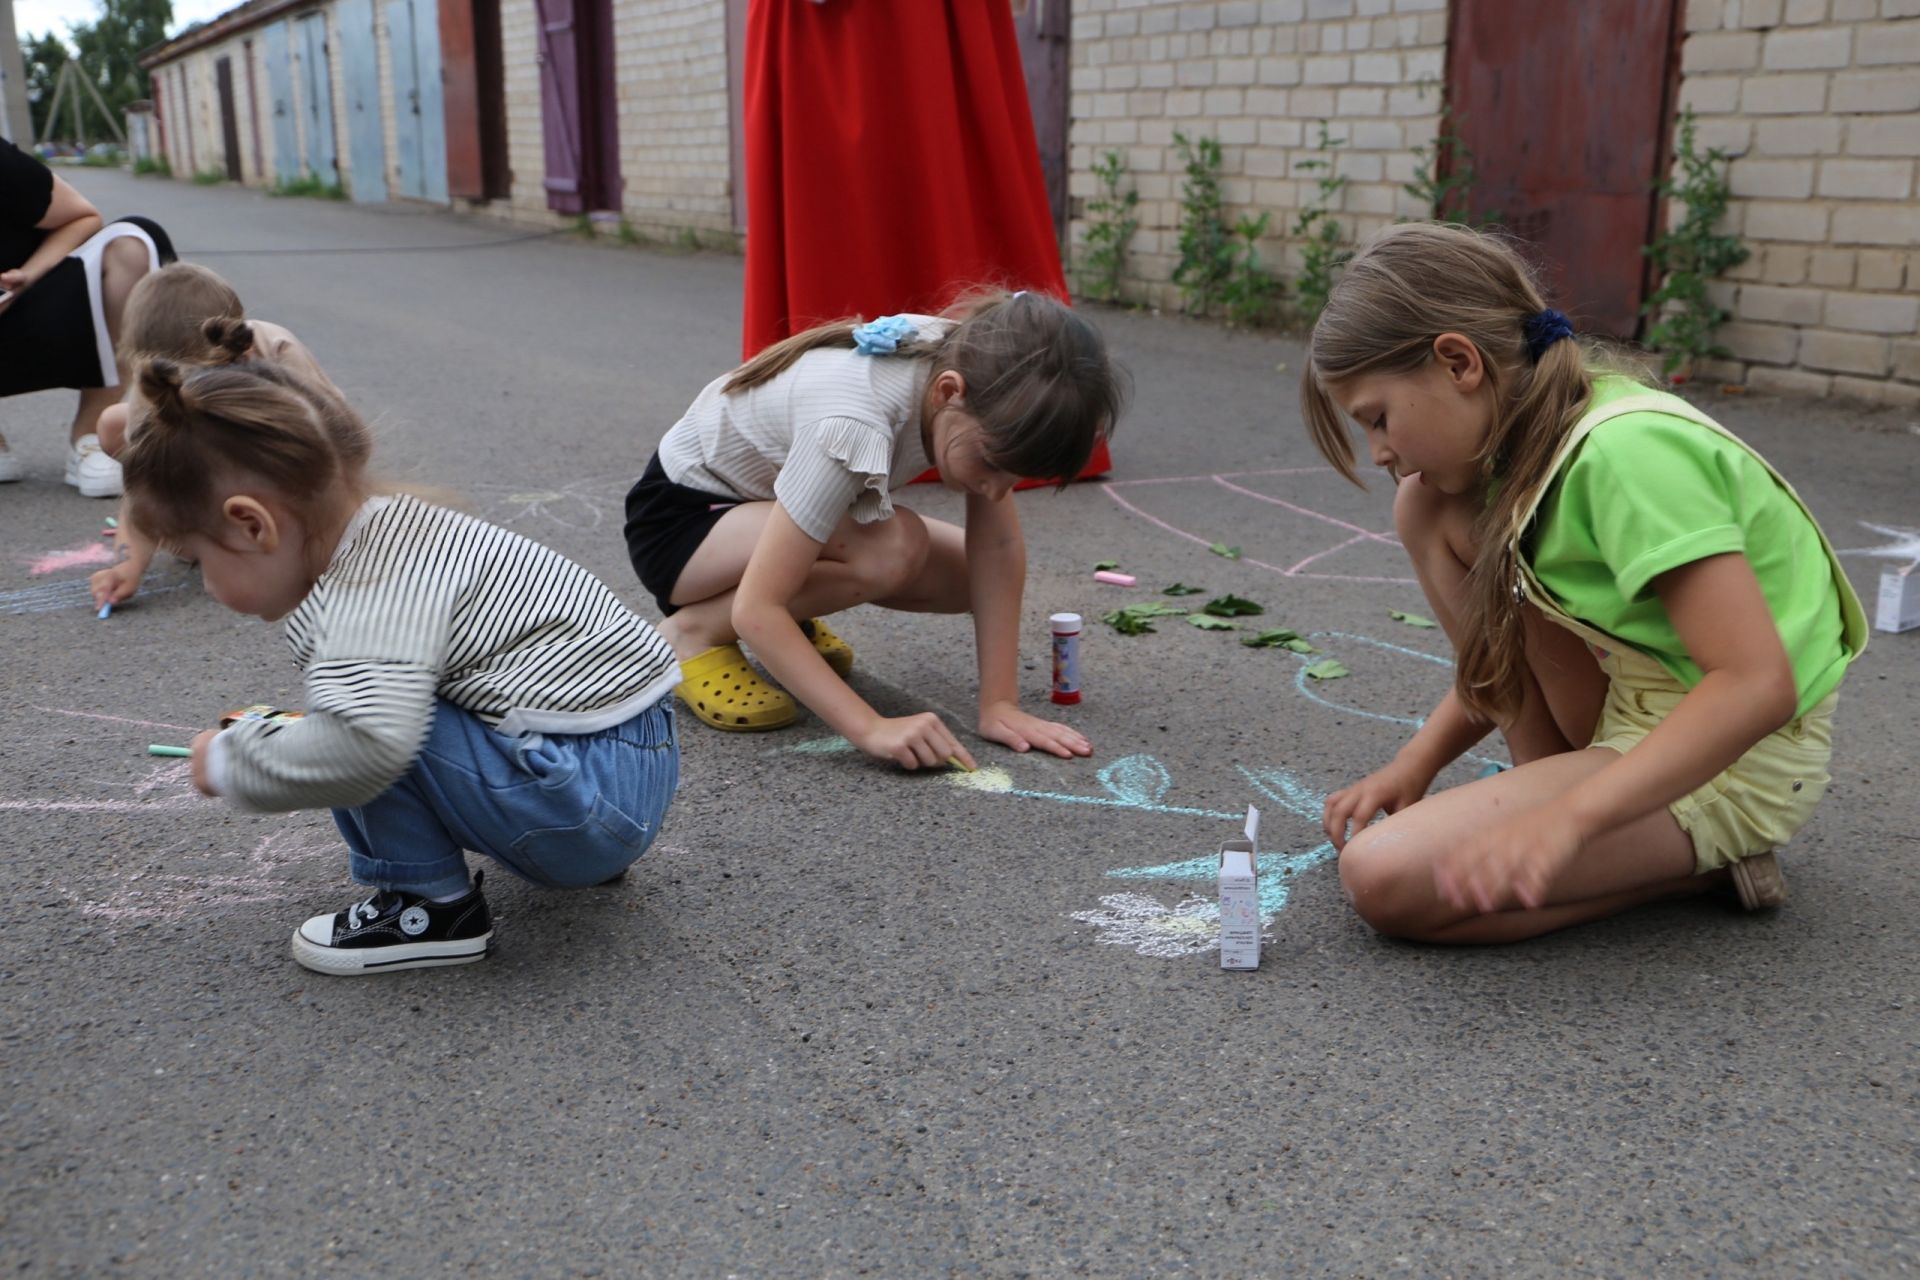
[882, 337]
[1545, 329]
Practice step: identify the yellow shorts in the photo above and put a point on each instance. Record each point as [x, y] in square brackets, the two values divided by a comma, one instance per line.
[1760, 802]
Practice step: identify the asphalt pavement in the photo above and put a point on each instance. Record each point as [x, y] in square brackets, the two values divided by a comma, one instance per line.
[848, 1021]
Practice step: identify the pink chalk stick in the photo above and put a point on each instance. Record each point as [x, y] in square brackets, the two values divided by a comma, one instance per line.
[1117, 579]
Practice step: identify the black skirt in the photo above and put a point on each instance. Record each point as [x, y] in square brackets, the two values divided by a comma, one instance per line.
[666, 523]
[55, 334]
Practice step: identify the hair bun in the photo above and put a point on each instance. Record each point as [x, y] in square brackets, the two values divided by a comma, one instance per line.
[229, 334]
[162, 384]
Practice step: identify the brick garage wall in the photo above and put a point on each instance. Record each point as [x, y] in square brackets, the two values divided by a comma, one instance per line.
[1818, 101]
[670, 66]
[1257, 75]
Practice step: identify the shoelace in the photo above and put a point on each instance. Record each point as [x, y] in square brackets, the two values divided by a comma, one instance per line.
[372, 908]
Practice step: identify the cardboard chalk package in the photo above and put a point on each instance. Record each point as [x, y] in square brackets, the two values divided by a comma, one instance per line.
[1240, 898]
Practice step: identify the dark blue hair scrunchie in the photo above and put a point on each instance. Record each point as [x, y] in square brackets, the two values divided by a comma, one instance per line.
[1545, 329]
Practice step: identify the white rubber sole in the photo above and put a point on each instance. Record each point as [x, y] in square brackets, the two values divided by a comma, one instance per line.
[352, 962]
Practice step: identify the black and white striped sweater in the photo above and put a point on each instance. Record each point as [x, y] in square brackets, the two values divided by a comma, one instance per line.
[421, 603]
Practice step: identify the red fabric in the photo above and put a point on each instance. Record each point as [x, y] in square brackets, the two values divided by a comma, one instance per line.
[891, 163]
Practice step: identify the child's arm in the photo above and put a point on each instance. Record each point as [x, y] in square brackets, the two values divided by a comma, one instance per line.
[996, 579]
[763, 617]
[117, 584]
[1747, 691]
[1449, 731]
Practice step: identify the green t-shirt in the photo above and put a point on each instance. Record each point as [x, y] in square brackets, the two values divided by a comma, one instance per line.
[1647, 492]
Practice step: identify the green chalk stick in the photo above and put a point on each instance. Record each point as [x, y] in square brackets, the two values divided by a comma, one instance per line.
[162, 749]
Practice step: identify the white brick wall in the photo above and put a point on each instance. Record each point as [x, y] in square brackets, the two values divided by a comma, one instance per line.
[670, 67]
[1257, 77]
[1819, 103]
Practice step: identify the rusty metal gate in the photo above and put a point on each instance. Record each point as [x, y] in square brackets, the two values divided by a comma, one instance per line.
[1566, 109]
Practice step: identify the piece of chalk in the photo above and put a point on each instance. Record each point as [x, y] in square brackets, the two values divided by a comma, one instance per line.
[113, 522]
[162, 749]
[1117, 579]
[958, 763]
[105, 609]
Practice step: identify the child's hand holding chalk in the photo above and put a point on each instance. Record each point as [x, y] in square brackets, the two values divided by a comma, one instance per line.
[202, 762]
[198, 753]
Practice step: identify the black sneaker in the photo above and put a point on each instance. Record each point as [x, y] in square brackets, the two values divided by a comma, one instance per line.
[396, 931]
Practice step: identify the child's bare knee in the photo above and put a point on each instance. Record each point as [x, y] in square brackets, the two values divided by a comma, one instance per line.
[124, 261]
[1388, 889]
[1417, 508]
[897, 554]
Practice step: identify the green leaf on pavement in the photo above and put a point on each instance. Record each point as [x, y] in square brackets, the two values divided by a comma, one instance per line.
[1182, 589]
[1222, 549]
[1327, 669]
[1206, 623]
[1098, 565]
[1136, 619]
[1232, 606]
[1280, 638]
[1411, 619]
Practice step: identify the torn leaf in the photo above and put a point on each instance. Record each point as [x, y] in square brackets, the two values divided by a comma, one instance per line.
[1101, 565]
[1222, 549]
[1411, 619]
[1327, 669]
[1182, 589]
[1207, 623]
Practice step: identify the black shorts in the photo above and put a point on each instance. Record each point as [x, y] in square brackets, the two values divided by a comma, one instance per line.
[666, 523]
[55, 334]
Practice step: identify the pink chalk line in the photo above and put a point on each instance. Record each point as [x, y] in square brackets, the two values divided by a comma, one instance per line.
[1224, 483]
[72, 558]
[1230, 475]
[1297, 570]
[144, 724]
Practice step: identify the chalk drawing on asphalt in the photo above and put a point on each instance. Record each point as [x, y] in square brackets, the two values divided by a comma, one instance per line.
[85, 556]
[1297, 566]
[580, 505]
[1904, 544]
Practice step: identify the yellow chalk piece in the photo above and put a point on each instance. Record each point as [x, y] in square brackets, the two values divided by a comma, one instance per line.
[958, 763]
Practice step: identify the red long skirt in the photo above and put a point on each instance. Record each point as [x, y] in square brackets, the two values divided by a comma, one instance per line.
[891, 163]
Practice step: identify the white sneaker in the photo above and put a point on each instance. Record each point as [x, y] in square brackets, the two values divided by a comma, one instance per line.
[10, 469]
[91, 471]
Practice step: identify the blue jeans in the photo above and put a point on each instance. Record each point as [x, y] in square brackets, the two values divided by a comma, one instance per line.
[562, 810]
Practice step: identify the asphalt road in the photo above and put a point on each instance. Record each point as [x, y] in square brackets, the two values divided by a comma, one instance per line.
[849, 1021]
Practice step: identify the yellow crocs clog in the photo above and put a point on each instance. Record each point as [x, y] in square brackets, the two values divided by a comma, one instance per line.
[837, 652]
[722, 688]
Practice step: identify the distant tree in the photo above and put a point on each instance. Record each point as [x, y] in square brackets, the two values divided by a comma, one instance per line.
[45, 55]
[108, 50]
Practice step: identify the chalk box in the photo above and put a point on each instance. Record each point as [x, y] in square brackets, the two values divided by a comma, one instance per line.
[1240, 898]
[1899, 600]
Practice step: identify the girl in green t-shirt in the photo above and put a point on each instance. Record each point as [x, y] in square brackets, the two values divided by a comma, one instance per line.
[1630, 590]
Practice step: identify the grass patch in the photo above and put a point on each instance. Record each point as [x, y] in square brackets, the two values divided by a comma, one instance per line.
[310, 185]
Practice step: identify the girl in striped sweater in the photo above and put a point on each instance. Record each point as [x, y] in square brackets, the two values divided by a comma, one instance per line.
[465, 688]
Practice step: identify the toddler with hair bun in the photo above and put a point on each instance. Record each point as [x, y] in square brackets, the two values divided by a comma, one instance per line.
[465, 687]
[187, 314]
